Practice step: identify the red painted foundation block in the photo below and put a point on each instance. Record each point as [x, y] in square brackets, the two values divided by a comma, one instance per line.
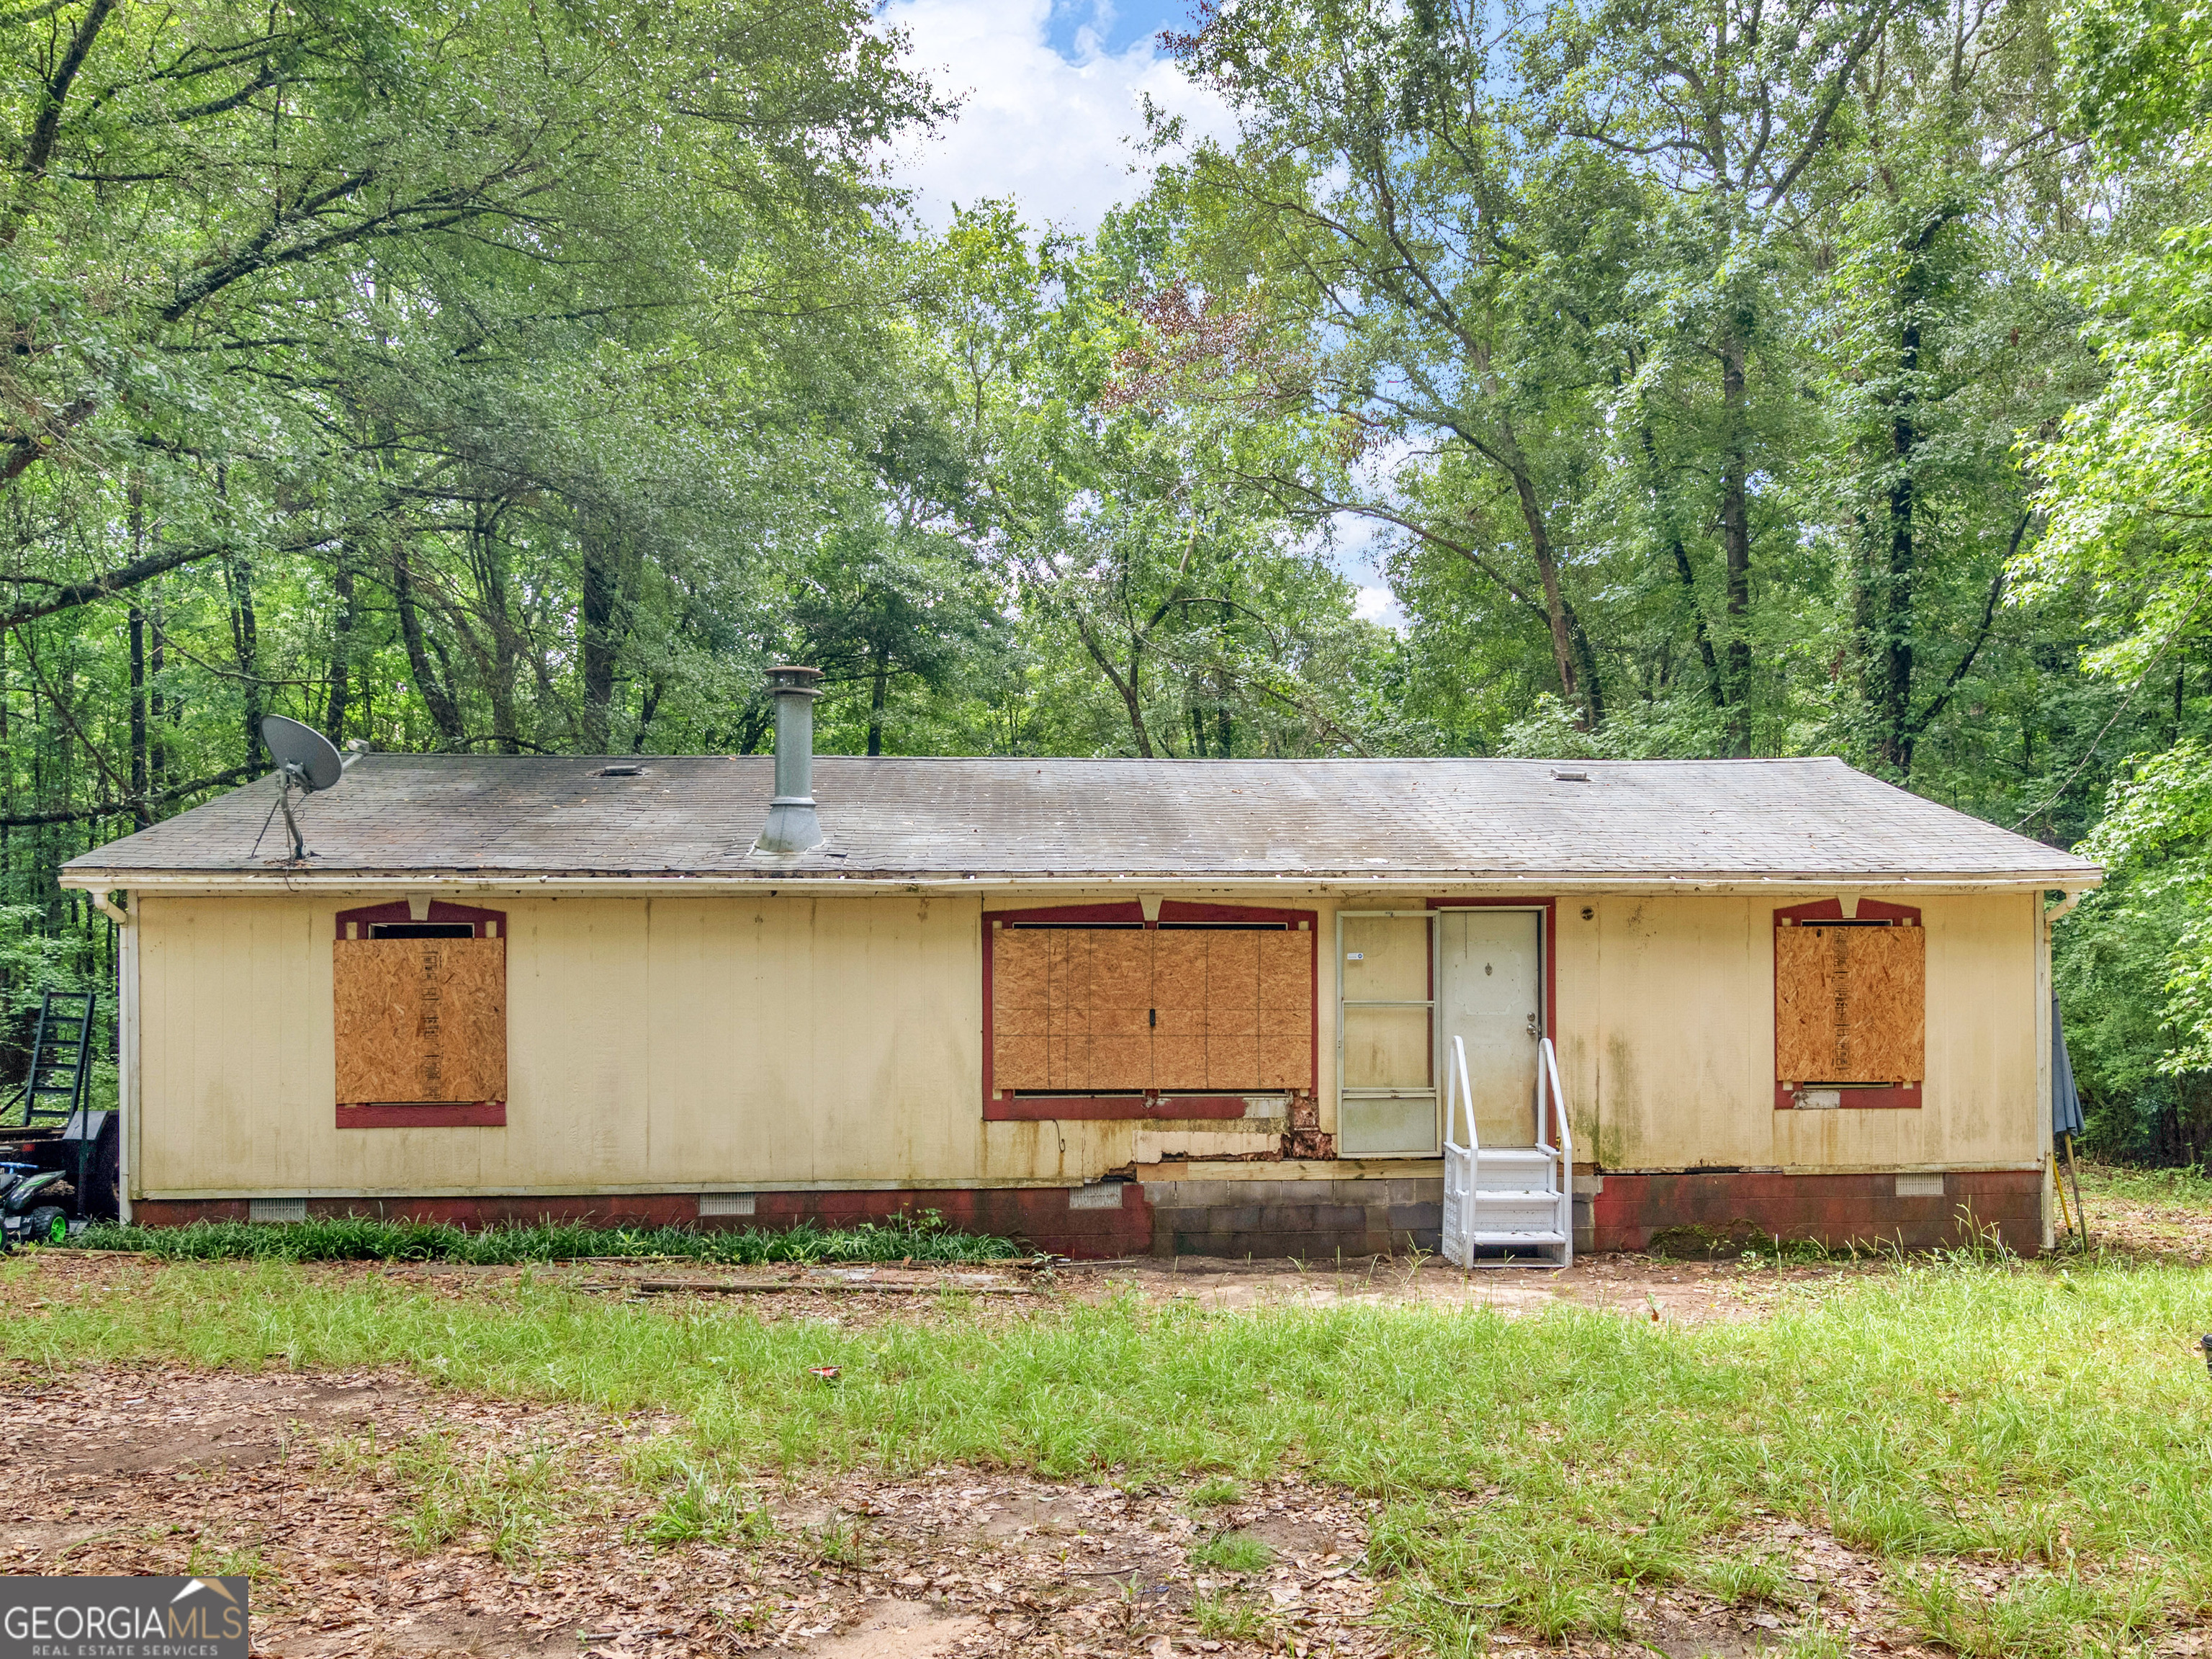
[1714, 1206]
[1040, 1216]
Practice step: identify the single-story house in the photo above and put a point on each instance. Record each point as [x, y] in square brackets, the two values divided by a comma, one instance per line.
[1210, 1006]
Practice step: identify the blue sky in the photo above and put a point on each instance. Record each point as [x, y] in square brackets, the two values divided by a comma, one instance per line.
[1111, 29]
[1053, 92]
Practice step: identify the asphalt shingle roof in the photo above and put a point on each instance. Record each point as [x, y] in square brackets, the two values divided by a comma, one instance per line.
[891, 818]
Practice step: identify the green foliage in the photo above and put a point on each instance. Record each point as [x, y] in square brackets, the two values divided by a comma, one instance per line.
[355, 1238]
[1233, 1552]
[1989, 1414]
[703, 1509]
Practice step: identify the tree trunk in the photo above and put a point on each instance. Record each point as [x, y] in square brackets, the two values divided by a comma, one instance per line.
[1889, 652]
[602, 595]
[445, 714]
[244, 632]
[1572, 689]
[161, 713]
[341, 679]
[880, 688]
[141, 782]
[1684, 572]
[1735, 543]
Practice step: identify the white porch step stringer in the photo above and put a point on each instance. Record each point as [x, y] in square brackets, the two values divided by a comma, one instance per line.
[1511, 1198]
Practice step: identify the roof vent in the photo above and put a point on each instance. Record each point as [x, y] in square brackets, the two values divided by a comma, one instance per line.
[1561, 775]
[792, 825]
[625, 769]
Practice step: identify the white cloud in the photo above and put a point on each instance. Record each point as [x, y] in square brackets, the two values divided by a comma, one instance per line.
[1051, 133]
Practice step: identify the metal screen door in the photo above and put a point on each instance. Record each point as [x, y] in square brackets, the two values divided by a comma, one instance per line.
[1386, 1034]
[1490, 995]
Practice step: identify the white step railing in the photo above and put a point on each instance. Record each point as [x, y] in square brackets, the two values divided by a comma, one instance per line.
[1527, 1202]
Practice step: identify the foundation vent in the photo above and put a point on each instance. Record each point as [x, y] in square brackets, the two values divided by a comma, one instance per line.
[276, 1209]
[726, 1203]
[1920, 1186]
[1106, 1195]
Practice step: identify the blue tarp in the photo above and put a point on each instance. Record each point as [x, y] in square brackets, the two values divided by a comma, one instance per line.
[2065, 1103]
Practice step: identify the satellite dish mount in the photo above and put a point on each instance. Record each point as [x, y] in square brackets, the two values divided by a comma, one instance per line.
[305, 760]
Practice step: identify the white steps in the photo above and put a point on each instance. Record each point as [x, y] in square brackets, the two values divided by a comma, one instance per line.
[1518, 1199]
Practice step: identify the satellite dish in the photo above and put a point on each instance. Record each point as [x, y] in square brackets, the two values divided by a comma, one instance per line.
[305, 760]
[304, 755]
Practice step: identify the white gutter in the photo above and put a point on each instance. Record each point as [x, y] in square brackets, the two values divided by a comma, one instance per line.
[1318, 883]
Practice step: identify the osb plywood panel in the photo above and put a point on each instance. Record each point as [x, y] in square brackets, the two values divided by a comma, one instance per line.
[1121, 1060]
[1121, 968]
[1067, 1062]
[1179, 1061]
[1850, 1004]
[1285, 970]
[1021, 975]
[1120, 1013]
[1019, 1060]
[1885, 1036]
[1233, 1060]
[1068, 953]
[1179, 971]
[1233, 969]
[1286, 1060]
[419, 1019]
[1176, 1008]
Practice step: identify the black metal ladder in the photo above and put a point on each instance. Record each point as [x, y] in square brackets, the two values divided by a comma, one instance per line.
[61, 1058]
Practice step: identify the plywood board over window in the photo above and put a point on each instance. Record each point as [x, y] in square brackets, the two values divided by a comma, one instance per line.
[1850, 1001]
[1218, 999]
[420, 1027]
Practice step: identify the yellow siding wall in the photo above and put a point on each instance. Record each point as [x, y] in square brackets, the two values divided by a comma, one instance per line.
[1669, 1031]
[688, 1042]
[650, 1043]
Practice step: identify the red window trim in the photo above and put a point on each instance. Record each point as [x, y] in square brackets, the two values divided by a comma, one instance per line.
[1040, 1108]
[1851, 1098]
[398, 910]
[422, 1114]
[1084, 1108]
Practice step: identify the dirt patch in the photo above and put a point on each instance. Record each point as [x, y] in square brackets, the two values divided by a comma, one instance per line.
[2148, 1230]
[1639, 1287]
[380, 1517]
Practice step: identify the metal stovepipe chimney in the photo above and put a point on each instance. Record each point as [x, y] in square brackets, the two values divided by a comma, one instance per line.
[792, 825]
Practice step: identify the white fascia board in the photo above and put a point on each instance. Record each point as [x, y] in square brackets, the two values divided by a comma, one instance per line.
[1314, 884]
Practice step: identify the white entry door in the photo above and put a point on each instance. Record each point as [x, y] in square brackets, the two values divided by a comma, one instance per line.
[1490, 995]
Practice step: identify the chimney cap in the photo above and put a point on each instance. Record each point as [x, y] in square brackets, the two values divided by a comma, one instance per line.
[789, 677]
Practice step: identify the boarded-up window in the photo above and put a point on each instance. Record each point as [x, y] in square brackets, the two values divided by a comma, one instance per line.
[1135, 1010]
[419, 1013]
[1850, 999]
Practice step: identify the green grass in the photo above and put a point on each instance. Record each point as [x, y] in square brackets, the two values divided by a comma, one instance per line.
[357, 1238]
[2189, 1187]
[1233, 1552]
[704, 1508]
[1530, 1471]
[1231, 1617]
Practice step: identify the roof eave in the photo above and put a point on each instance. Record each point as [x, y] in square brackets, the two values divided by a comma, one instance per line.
[2072, 878]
